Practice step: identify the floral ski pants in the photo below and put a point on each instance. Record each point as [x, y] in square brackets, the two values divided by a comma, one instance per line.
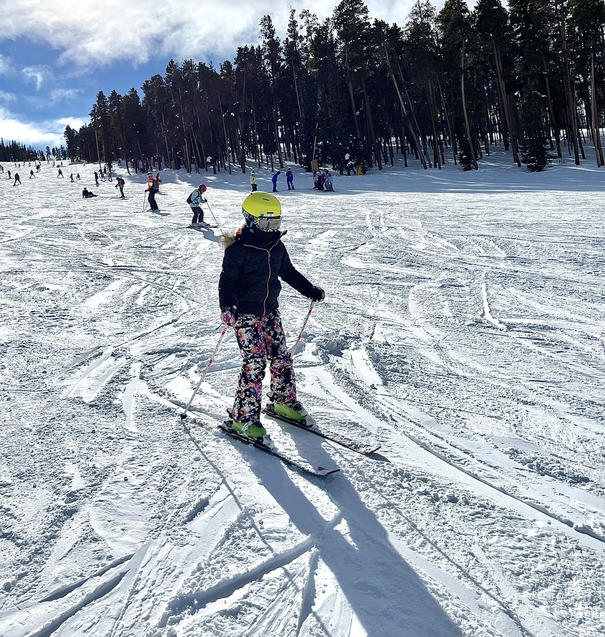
[259, 339]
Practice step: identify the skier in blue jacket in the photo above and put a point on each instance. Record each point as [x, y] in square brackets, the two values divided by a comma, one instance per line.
[196, 199]
[274, 180]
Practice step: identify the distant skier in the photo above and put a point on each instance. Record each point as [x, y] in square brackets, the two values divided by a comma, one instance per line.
[318, 181]
[71, 178]
[31, 174]
[78, 177]
[17, 179]
[87, 194]
[151, 190]
[9, 174]
[195, 200]
[254, 261]
[274, 180]
[120, 185]
[253, 181]
[60, 174]
[330, 182]
[290, 179]
[96, 178]
[156, 182]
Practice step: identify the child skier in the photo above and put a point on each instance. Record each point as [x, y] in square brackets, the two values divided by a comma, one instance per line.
[255, 258]
[195, 200]
[151, 190]
[120, 185]
[290, 179]
[253, 185]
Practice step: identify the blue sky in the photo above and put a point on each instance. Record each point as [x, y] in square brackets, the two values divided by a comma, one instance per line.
[56, 55]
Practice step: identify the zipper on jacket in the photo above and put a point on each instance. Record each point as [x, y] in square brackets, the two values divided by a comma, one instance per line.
[268, 251]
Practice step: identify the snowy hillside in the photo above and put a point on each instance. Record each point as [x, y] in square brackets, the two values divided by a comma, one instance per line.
[463, 330]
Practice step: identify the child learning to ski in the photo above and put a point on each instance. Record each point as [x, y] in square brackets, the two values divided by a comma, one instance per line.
[254, 261]
[195, 200]
[151, 190]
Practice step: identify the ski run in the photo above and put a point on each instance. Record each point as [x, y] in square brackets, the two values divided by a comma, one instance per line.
[463, 331]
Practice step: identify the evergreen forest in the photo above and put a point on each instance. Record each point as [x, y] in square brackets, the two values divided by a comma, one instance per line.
[349, 91]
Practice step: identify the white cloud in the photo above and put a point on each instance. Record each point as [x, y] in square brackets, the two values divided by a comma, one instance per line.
[7, 97]
[36, 74]
[64, 94]
[5, 65]
[89, 32]
[39, 134]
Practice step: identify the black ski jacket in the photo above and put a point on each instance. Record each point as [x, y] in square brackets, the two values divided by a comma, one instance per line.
[252, 266]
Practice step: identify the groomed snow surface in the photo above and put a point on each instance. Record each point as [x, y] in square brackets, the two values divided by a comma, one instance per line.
[463, 329]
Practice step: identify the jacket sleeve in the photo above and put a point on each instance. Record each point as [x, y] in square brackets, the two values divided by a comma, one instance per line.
[230, 274]
[294, 278]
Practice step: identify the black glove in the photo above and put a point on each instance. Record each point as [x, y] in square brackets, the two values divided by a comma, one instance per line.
[317, 294]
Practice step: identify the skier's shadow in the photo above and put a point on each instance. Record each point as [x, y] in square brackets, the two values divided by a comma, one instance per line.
[385, 593]
[207, 234]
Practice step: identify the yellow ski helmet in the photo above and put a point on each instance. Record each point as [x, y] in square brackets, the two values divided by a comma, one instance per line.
[262, 210]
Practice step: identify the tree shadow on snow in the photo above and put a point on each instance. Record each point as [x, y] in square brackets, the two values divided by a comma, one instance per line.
[385, 593]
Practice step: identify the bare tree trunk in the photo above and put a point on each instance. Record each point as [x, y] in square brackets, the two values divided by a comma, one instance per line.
[371, 123]
[405, 114]
[165, 138]
[505, 105]
[448, 124]
[571, 109]
[354, 109]
[279, 153]
[225, 133]
[436, 158]
[598, 148]
[471, 146]
[553, 119]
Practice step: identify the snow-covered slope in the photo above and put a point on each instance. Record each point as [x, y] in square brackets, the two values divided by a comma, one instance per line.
[463, 329]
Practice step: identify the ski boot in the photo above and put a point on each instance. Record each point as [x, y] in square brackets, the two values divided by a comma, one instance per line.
[294, 411]
[252, 429]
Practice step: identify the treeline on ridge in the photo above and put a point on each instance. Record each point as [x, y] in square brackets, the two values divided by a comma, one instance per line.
[351, 90]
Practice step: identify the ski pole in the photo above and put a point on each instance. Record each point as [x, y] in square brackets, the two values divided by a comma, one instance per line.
[220, 339]
[144, 202]
[302, 329]
[215, 219]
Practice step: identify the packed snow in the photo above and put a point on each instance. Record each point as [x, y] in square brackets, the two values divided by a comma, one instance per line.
[463, 330]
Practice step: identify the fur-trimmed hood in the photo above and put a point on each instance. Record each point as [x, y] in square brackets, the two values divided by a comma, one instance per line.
[229, 238]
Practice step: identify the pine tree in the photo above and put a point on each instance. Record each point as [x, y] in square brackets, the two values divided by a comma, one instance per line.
[494, 43]
[530, 22]
[454, 27]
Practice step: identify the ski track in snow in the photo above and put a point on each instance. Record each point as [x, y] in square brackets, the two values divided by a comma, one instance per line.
[463, 330]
